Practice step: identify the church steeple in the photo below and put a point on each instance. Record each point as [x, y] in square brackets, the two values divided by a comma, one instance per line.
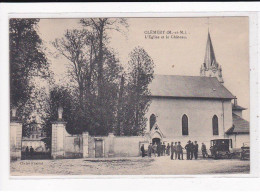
[210, 67]
[210, 59]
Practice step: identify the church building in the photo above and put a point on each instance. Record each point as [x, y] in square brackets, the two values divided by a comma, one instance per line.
[196, 108]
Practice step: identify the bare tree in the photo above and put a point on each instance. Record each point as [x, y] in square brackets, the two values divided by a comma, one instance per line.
[77, 46]
[96, 70]
[100, 28]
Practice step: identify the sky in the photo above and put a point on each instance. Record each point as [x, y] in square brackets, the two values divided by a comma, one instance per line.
[173, 56]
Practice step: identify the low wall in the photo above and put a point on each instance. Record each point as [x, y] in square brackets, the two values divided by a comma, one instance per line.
[84, 145]
[114, 146]
[127, 146]
[73, 146]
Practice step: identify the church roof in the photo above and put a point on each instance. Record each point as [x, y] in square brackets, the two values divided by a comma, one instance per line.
[210, 59]
[240, 125]
[188, 87]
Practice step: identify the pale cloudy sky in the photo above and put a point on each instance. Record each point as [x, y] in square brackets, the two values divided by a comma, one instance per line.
[175, 56]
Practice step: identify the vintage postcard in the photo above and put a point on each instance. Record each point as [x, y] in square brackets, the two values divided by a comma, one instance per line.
[129, 96]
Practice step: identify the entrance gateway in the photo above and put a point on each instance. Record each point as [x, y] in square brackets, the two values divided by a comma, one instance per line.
[98, 148]
[156, 140]
[156, 134]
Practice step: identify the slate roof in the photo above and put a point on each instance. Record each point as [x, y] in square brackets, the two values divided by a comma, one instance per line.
[240, 125]
[188, 87]
[237, 107]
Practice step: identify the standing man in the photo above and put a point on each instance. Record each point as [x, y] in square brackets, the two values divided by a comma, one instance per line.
[26, 151]
[168, 149]
[196, 149]
[163, 149]
[31, 151]
[187, 147]
[179, 151]
[150, 148]
[172, 150]
[142, 150]
[159, 148]
[191, 150]
[204, 150]
[176, 150]
[155, 149]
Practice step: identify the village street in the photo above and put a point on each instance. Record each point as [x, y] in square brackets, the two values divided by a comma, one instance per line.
[129, 166]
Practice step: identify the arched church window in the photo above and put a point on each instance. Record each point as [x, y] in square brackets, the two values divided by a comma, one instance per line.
[152, 121]
[185, 128]
[215, 125]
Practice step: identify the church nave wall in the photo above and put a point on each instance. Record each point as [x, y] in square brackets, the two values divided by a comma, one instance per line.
[169, 113]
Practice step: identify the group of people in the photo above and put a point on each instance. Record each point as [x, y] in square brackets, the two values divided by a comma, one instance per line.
[155, 149]
[192, 150]
[175, 150]
[29, 152]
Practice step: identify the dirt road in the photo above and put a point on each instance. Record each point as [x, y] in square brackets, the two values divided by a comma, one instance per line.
[129, 166]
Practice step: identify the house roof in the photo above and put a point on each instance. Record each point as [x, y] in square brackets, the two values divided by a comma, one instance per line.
[188, 87]
[240, 125]
[237, 107]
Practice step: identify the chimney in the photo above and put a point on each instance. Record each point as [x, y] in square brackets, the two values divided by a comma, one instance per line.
[235, 101]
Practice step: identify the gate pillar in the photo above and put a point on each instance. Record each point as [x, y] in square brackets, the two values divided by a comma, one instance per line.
[15, 136]
[58, 136]
[85, 136]
[111, 152]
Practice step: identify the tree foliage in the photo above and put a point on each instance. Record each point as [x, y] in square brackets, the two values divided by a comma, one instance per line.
[95, 69]
[28, 66]
[27, 59]
[105, 99]
[137, 101]
[99, 96]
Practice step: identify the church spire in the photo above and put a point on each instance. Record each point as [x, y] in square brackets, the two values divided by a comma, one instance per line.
[210, 67]
[210, 59]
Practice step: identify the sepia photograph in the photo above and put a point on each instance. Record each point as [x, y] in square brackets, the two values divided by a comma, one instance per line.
[129, 96]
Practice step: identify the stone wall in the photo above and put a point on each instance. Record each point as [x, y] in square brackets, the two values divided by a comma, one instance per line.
[127, 146]
[73, 146]
[114, 146]
[78, 146]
